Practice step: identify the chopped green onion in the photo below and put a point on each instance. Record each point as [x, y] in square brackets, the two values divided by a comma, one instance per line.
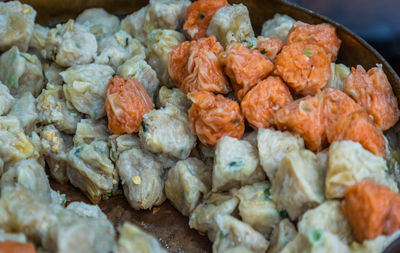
[308, 52]
[236, 164]
[315, 236]
[143, 126]
[284, 214]
[12, 81]
[78, 151]
[267, 194]
[114, 74]
[126, 41]
[182, 151]
[263, 51]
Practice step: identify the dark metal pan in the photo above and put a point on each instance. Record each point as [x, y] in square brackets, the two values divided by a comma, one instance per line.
[165, 222]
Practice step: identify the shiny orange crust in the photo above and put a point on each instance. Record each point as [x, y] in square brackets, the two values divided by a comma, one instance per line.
[373, 91]
[270, 47]
[371, 210]
[194, 66]
[305, 74]
[336, 105]
[358, 127]
[16, 247]
[323, 35]
[126, 103]
[198, 16]
[245, 67]
[261, 102]
[214, 116]
[304, 117]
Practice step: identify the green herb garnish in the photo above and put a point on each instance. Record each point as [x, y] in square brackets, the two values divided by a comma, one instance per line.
[126, 41]
[12, 81]
[114, 74]
[182, 151]
[284, 214]
[236, 163]
[78, 151]
[143, 126]
[267, 194]
[308, 52]
[263, 51]
[315, 236]
[201, 16]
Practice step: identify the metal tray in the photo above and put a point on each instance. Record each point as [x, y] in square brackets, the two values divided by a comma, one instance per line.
[164, 221]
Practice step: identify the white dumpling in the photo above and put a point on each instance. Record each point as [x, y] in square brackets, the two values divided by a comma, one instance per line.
[29, 174]
[282, 234]
[141, 177]
[160, 43]
[167, 131]
[133, 24]
[173, 96]
[298, 183]
[117, 48]
[21, 72]
[53, 108]
[16, 25]
[278, 27]
[202, 217]
[120, 143]
[91, 170]
[188, 181]
[100, 22]
[327, 216]
[37, 45]
[70, 44]
[350, 163]
[137, 68]
[235, 164]
[316, 241]
[233, 232]
[231, 24]
[256, 207]
[272, 146]
[54, 228]
[86, 86]
[89, 130]
[165, 14]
